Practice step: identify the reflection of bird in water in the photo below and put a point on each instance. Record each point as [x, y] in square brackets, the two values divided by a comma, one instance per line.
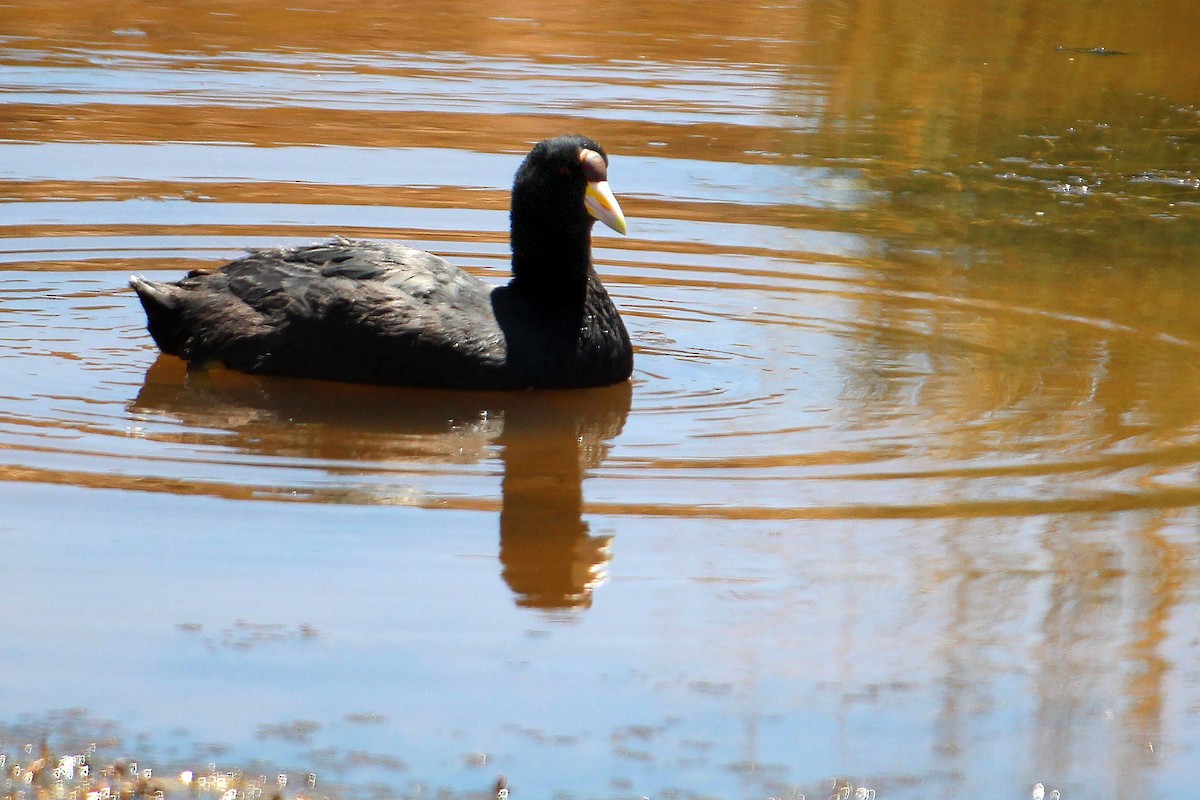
[380, 313]
[548, 441]
[550, 558]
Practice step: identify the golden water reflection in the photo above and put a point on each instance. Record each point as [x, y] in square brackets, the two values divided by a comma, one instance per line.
[1039, 221]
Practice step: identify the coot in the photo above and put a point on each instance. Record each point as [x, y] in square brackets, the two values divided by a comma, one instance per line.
[382, 313]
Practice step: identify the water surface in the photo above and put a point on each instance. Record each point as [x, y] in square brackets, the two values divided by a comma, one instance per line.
[903, 493]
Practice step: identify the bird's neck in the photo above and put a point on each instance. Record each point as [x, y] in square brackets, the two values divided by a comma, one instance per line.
[551, 259]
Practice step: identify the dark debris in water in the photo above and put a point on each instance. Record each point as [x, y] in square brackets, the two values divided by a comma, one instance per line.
[243, 635]
[1093, 51]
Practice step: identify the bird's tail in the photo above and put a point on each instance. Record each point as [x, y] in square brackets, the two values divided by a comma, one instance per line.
[164, 317]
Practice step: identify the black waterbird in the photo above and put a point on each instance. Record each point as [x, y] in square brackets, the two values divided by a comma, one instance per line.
[383, 313]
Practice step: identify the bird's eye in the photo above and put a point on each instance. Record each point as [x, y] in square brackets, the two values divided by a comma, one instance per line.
[564, 170]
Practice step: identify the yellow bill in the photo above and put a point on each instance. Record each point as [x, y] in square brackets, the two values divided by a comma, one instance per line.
[602, 205]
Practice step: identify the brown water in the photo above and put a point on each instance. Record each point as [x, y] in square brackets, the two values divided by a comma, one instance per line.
[904, 491]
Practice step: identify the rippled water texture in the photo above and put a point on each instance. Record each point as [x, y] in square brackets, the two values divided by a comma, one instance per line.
[904, 490]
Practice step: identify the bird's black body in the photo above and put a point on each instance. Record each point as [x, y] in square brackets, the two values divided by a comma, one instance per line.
[373, 312]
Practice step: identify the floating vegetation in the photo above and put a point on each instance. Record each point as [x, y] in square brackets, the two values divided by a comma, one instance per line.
[79, 767]
[69, 755]
[37, 773]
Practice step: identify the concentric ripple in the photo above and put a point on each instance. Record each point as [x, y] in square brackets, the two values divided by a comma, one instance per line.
[787, 367]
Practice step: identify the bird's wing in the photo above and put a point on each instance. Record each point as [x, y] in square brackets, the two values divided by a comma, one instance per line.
[424, 277]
